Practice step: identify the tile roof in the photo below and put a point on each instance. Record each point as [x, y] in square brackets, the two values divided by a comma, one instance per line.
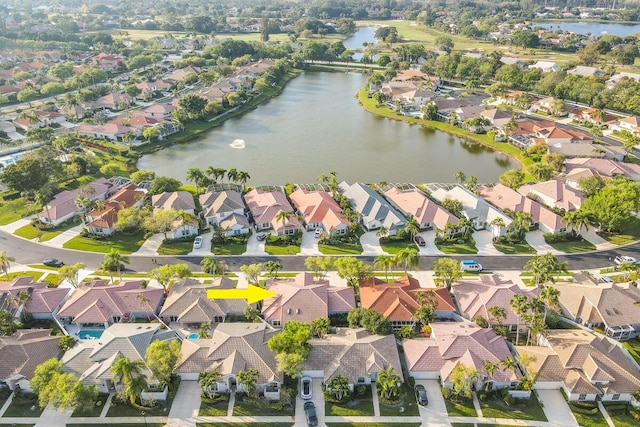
[319, 207]
[265, 206]
[372, 206]
[177, 200]
[22, 352]
[474, 208]
[605, 167]
[415, 203]
[558, 193]
[221, 202]
[42, 299]
[63, 203]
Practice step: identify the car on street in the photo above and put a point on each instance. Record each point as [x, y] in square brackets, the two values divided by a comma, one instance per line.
[419, 241]
[305, 388]
[624, 259]
[470, 265]
[53, 262]
[421, 395]
[197, 242]
[310, 414]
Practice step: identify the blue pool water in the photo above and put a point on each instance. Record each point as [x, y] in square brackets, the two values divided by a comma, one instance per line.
[90, 334]
[193, 336]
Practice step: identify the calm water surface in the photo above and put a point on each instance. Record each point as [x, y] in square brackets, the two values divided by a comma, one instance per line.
[594, 28]
[316, 125]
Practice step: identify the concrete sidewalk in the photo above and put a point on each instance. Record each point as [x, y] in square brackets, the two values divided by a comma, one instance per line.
[11, 228]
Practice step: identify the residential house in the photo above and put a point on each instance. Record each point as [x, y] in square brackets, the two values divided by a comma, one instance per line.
[63, 205]
[617, 77]
[398, 301]
[475, 298]
[138, 121]
[39, 119]
[91, 359]
[630, 124]
[573, 177]
[546, 66]
[594, 116]
[584, 71]
[109, 131]
[102, 221]
[9, 129]
[114, 101]
[605, 167]
[181, 74]
[99, 304]
[188, 306]
[528, 132]
[614, 308]
[109, 62]
[320, 211]
[305, 299]
[355, 354]
[482, 214]
[506, 198]
[374, 211]
[180, 201]
[22, 353]
[415, 203]
[587, 149]
[43, 301]
[454, 344]
[554, 193]
[233, 347]
[547, 105]
[225, 209]
[408, 95]
[265, 207]
[510, 60]
[498, 118]
[159, 111]
[587, 366]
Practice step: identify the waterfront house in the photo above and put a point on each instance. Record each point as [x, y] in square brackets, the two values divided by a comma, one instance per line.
[305, 299]
[604, 167]
[265, 207]
[320, 211]
[43, 301]
[159, 111]
[413, 202]
[374, 211]
[102, 221]
[109, 131]
[554, 193]
[225, 209]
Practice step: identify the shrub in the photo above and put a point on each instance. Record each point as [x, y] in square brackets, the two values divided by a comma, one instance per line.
[555, 237]
[411, 381]
[508, 399]
[446, 392]
[552, 321]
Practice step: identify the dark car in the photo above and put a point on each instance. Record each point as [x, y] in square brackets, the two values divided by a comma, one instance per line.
[310, 414]
[419, 241]
[52, 262]
[421, 395]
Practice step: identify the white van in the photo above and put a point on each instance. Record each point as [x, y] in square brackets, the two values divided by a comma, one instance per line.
[470, 265]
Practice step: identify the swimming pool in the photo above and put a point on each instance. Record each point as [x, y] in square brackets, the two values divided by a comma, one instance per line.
[193, 336]
[90, 334]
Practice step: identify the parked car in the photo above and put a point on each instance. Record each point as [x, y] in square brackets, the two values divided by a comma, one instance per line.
[262, 236]
[624, 259]
[317, 233]
[606, 279]
[305, 388]
[419, 241]
[470, 265]
[53, 262]
[421, 395]
[310, 414]
[197, 242]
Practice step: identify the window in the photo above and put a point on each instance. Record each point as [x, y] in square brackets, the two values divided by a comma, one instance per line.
[218, 319]
[275, 322]
[582, 397]
[615, 397]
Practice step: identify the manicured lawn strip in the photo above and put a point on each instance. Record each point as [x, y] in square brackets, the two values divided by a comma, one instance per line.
[11, 210]
[361, 408]
[385, 424]
[460, 409]
[623, 420]
[633, 347]
[515, 248]
[148, 424]
[214, 407]
[574, 246]
[281, 250]
[122, 409]
[24, 406]
[124, 244]
[463, 425]
[96, 410]
[393, 247]
[457, 248]
[28, 232]
[178, 248]
[408, 404]
[35, 274]
[229, 248]
[241, 408]
[630, 236]
[341, 249]
[524, 410]
[52, 278]
[261, 424]
[587, 419]
[42, 267]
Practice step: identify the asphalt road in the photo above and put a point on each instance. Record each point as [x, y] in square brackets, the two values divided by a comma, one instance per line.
[26, 252]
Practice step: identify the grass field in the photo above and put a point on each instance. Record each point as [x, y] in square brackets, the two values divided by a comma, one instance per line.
[574, 246]
[177, 248]
[341, 249]
[31, 232]
[359, 408]
[515, 248]
[588, 420]
[461, 409]
[457, 248]
[525, 410]
[229, 248]
[633, 347]
[11, 210]
[125, 244]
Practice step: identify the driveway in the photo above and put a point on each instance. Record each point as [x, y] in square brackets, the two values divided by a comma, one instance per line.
[254, 247]
[186, 403]
[556, 408]
[64, 237]
[151, 245]
[371, 244]
[484, 243]
[205, 249]
[435, 413]
[309, 244]
[430, 248]
[536, 239]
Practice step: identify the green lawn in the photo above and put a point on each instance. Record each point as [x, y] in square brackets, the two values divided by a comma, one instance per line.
[35, 274]
[24, 406]
[214, 407]
[147, 424]
[524, 410]
[245, 424]
[241, 408]
[125, 244]
[281, 249]
[515, 248]
[42, 267]
[341, 249]
[623, 420]
[353, 408]
[175, 248]
[461, 409]
[408, 407]
[463, 425]
[574, 246]
[124, 409]
[11, 210]
[372, 424]
[587, 419]
[457, 248]
[52, 278]
[392, 247]
[32, 232]
[629, 236]
[229, 248]
[633, 347]
[96, 410]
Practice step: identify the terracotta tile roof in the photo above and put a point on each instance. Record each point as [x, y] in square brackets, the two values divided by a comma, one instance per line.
[63, 203]
[415, 203]
[42, 300]
[22, 352]
[232, 347]
[352, 353]
[265, 206]
[98, 301]
[304, 299]
[178, 200]
[458, 343]
[555, 192]
[604, 167]
[319, 207]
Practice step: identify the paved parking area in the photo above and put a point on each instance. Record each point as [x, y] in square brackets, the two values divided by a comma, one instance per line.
[435, 413]
[430, 248]
[536, 239]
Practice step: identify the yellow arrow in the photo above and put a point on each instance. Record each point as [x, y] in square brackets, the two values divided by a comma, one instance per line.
[251, 294]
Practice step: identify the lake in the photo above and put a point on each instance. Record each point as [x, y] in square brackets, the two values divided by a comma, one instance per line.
[316, 125]
[594, 28]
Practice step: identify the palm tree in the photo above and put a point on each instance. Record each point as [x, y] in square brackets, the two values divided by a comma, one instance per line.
[243, 177]
[144, 301]
[249, 379]
[204, 330]
[510, 364]
[519, 305]
[232, 175]
[388, 383]
[113, 260]
[384, 262]
[498, 313]
[577, 220]
[186, 218]
[216, 173]
[339, 386]
[382, 232]
[542, 171]
[412, 226]
[134, 388]
[42, 200]
[197, 176]
[283, 216]
[490, 368]
[551, 297]
[5, 263]
[209, 265]
[70, 273]
[409, 257]
[498, 222]
[207, 380]
[126, 369]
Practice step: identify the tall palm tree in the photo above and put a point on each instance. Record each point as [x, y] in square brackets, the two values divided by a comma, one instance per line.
[186, 218]
[388, 383]
[243, 177]
[113, 260]
[384, 262]
[249, 379]
[519, 305]
[197, 177]
[207, 380]
[209, 265]
[577, 220]
[283, 216]
[382, 232]
[232, 174]
[490, 367]
[126, 369]
[412, 226]
[339, 386]
[498, 314]
[42, 200]
[216, 173]
[134, 388]
[5, 263]
[70, 273]
[409, 257]
[551, 298]
[509, 364]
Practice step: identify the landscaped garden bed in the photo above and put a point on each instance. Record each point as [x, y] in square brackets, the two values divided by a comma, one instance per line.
[23, 405]
[407, 406]
[522, 409]
[96, 410]
[216, 407]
